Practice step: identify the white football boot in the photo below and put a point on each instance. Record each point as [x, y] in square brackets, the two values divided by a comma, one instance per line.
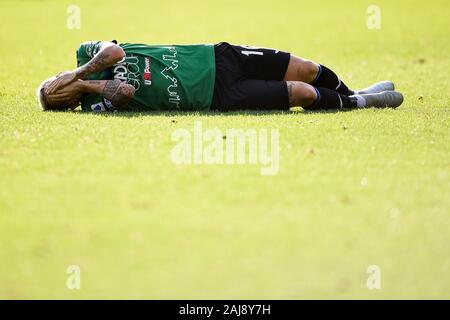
[386, 99]
[378, 87]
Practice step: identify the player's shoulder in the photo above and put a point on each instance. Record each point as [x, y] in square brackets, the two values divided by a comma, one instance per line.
[90, 48]
[87, 49]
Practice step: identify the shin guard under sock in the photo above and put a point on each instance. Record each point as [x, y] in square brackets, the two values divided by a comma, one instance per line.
[328, 79]
[329, 99]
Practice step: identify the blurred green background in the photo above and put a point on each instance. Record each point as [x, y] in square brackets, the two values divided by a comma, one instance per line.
[360, 188]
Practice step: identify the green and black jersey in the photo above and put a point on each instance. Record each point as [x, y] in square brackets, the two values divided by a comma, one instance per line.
[172, 77]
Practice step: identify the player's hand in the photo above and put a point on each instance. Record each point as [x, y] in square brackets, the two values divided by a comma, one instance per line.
[69, 92]
[62, 80]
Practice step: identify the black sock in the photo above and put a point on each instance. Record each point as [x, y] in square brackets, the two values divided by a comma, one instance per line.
[329, 99]
[328, 79]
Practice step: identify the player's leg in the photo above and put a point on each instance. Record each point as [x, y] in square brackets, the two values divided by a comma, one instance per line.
[304, 95]
[251, 94]
[276, 65]
[313, 98]
[315, 74]
[244, 80]
[281, 95]
[320, 76]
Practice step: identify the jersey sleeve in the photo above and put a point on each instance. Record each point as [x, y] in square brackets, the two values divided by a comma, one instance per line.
[96, 103]
[86, 52]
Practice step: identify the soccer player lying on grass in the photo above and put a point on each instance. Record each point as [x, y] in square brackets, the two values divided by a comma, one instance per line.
[219, 77]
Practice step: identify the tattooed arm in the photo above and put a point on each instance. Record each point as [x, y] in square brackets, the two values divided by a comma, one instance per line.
[117, 92]
[109, 54]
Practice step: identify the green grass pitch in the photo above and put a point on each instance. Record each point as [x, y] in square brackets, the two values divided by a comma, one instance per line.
[354, 189]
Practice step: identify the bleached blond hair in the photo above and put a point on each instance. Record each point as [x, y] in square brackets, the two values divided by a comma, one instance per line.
[40, 95]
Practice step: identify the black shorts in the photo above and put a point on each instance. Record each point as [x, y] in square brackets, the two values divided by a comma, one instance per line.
[250, 78]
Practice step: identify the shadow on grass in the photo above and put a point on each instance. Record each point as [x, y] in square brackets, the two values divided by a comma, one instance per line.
[246, 113]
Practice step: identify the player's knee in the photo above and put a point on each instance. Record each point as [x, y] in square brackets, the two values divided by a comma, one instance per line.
[310, 71]
[308, 96]
[301, 70]
[301, 94]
